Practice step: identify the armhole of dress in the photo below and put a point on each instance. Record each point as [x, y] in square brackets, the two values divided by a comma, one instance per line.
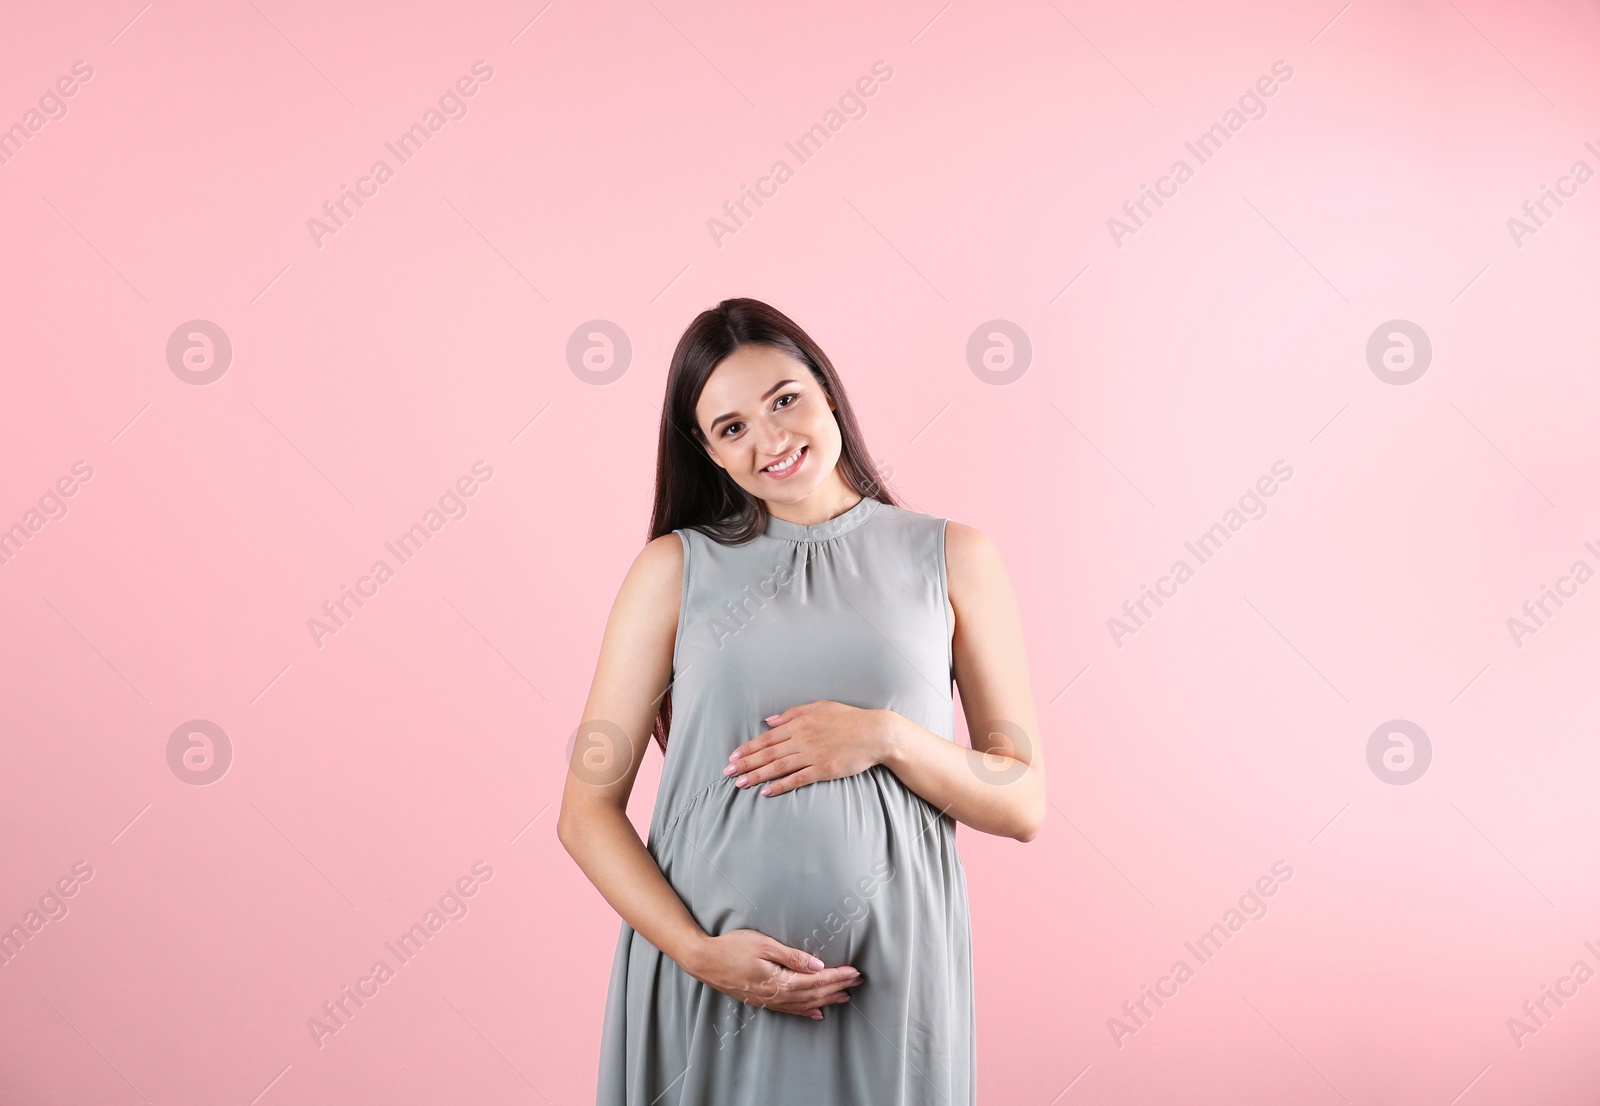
[683, 601]
[948, 608]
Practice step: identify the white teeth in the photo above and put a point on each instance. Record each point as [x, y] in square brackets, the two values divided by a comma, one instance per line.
[785, 463]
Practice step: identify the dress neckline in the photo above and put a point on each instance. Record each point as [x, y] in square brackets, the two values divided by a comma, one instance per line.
[823, 531]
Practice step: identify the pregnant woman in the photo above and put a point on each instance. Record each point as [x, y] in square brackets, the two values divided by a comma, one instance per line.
[795, 932]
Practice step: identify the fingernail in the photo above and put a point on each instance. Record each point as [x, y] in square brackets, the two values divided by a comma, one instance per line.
[771, 718]
[816, 965]
[729, 770]
[740, 780]
[735, 756]
[816, 1017]
[855, 973]
[766, 790]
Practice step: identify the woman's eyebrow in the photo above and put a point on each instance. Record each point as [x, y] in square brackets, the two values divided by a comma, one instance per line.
[769, 391]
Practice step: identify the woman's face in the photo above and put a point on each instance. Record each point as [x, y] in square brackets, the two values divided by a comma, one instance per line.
[759, 407]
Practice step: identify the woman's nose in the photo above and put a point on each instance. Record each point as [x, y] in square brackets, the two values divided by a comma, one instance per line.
[773, 440]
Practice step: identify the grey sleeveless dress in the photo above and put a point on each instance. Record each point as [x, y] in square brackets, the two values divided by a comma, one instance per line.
[858, 871]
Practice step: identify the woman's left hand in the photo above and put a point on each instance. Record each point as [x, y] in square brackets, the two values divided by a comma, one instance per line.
[822, 740]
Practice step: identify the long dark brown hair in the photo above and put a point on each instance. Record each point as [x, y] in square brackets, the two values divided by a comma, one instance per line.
[694, 491]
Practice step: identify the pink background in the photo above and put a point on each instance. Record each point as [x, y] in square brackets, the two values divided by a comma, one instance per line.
[1168, 373]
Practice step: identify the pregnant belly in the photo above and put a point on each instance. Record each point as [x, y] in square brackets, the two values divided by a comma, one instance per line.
[818, 868]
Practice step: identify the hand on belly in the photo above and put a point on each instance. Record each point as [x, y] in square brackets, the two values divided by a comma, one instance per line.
[820, 740]
[753, 968]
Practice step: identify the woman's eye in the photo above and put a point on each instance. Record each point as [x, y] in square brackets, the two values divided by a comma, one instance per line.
[733, 426]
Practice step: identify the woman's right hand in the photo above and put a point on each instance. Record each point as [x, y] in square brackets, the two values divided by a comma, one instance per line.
[749, 966]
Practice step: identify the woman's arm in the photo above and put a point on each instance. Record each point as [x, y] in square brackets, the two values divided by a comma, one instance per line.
[997, 786]
[632, 672]
[634, 668]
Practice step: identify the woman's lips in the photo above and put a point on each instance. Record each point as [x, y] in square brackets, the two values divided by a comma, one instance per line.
[805, 451]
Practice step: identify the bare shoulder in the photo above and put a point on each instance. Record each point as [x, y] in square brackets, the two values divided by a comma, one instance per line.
[961, 540]
[660, 556]
[655, 579]
[968, 550]
[637, 648]
[972, 565]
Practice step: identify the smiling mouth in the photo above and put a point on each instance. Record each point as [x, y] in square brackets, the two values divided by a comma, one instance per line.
[786, 463]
